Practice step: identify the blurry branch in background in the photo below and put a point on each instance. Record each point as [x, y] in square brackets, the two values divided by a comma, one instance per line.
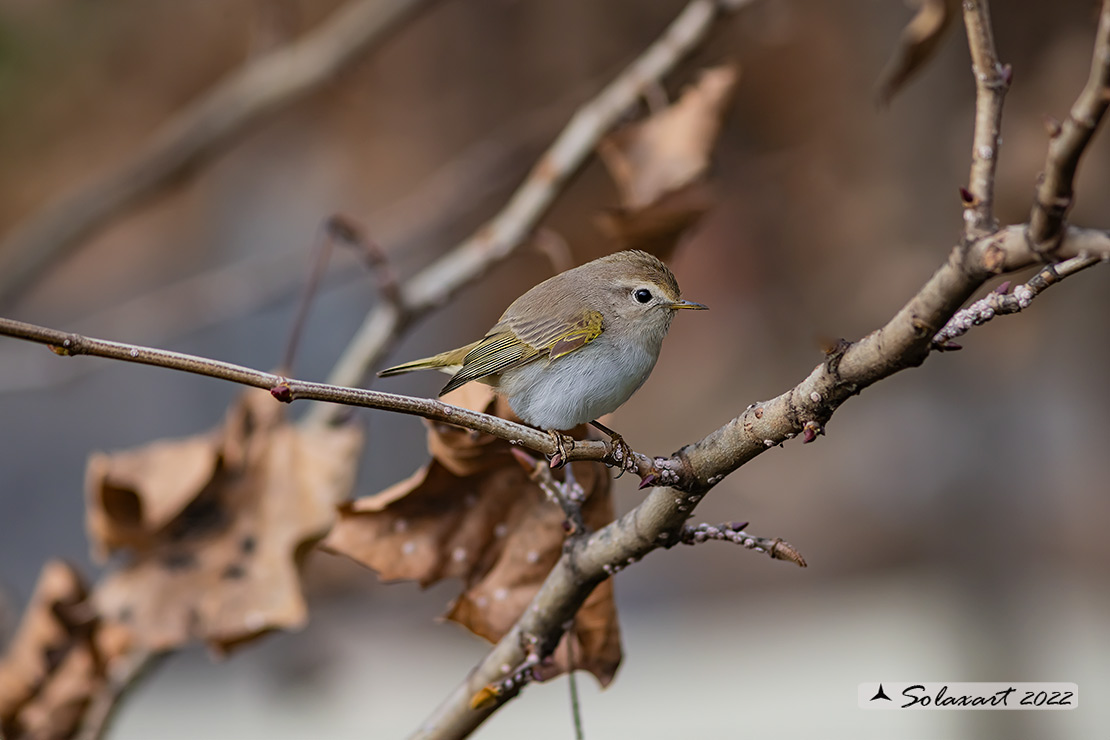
[346, 230]
[321, 255]
[919, 40]
[437, 283]
[230, 291]
[342, 229]
[260, 88]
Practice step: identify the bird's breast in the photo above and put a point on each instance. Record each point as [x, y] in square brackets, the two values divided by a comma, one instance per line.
[578, 387]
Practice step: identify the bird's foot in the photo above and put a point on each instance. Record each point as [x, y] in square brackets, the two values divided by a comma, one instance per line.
[559, 459]
[620, 454]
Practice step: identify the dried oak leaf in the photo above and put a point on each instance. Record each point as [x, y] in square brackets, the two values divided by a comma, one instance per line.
[216, 525]
[657, 229]
[472, 513]
[57, 662]
[660, 164]
[918, 41]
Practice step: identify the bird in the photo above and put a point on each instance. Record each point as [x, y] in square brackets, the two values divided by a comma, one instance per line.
[574, 347]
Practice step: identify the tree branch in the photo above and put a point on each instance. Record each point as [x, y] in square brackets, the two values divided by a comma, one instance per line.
[905, 341]
[250, 93]
[287, 389]
[1056, 188]
[992, 80]
[1001, 301]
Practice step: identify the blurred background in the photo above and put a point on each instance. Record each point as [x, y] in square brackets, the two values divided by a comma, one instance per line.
[953, 517]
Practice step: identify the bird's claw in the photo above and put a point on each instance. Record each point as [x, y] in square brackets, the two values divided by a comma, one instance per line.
[620, 453]
[559, 459]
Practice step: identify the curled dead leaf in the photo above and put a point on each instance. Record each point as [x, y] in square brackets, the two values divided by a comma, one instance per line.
[217, 559]
[472, 513]
[671, 148]
[660, 164]
[169, 473]
[657, 229]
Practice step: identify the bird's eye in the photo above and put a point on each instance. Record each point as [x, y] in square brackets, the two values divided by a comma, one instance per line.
[643, 295]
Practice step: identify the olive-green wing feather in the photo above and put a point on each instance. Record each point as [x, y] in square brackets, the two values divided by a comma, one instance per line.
[497, 352]
[565, 340]
[512, 343]
[443, 361]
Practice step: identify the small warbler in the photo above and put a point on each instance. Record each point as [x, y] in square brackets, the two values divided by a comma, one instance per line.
[573, 348]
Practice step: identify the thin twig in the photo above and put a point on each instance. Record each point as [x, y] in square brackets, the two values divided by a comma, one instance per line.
[321, 255]
[917, 44]
[433, 286]
[1056, 189]
[265, 85]
[1001, 301]
[992, 80]
[572, 685]
[346, 230]
[777, 548]
[288, 389]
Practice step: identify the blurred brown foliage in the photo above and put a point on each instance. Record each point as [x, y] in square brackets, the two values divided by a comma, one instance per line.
[214, 554]
[473, 513]
[660, 166]
[58, 661]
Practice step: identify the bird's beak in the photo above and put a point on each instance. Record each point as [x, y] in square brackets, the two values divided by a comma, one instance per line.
[689, 304]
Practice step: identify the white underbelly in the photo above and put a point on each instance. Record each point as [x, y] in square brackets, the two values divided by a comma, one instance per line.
[578, 387]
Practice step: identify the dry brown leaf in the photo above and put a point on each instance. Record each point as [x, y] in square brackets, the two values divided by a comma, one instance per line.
[660, 165]
[671, 148]
[472, 513]
[169, 472]
[918, 41]
[58, 660]
[217, 561]
[657, 229]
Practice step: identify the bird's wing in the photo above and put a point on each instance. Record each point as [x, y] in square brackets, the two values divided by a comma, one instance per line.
[512, 343]
[562, 338]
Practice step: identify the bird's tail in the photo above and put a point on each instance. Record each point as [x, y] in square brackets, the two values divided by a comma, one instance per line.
[448, 362]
